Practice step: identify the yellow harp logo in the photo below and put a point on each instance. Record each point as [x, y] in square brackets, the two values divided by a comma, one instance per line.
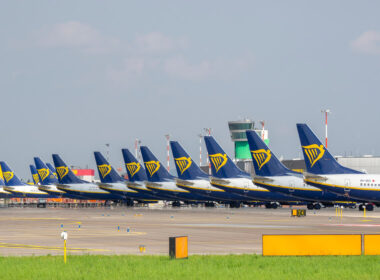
[104, 169]
[8, 175]
[44, 173]
[314, 153]
[261, 157]
[62, 171]
[36, 178]
[133, 168]
[152, 166]
[218, 160]
[183, 163]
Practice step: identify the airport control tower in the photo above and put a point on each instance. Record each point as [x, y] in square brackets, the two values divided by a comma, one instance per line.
[238, 136]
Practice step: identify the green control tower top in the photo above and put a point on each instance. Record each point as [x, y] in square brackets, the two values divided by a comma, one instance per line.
[238, 136]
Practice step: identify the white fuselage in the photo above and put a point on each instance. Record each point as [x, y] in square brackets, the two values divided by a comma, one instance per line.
[365, 187]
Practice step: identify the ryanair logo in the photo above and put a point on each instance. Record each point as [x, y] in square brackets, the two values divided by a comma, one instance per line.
[314, 153]
[183, 163]
[36, 179]
[218, 160]
[44, 173]
[152, 166]
[8, 175]
[62, 171]
[261, 157]
[133, 168]
[104, 169]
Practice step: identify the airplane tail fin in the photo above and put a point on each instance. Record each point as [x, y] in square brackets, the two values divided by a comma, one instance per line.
[318, 160]
[33, 170]
[187, 169]
[10, 177]
[155, 171]
[221, 165]
[47, 176]
[65, 175]
[1, 174]
[52, 169]
[264, 161]
[134, 170]
[107, 173]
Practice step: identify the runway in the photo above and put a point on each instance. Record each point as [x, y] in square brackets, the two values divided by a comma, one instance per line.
[31, 231]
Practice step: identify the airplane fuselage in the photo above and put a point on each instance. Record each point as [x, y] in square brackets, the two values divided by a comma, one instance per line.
[364, 187]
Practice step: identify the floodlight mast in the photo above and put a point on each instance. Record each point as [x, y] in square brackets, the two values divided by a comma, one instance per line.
[326, 112]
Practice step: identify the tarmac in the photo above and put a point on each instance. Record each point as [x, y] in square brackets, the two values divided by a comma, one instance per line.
[33, 231]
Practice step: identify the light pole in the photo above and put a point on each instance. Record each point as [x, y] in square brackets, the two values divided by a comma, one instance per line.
[326, 112]
[137, 144]
[108, 152]
[168, 150]
[208, 131]
[262, 129]
[200, 148]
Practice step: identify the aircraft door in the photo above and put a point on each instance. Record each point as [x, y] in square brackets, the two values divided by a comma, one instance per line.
[347, 183]
[291, 187]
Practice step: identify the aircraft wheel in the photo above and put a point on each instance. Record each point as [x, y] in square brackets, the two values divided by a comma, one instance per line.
[369, 207]
[268, 205]
[317, 206]
[361, 207]
[310, 206]
[274, 205]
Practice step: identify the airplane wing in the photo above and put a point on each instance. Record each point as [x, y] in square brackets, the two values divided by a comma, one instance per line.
[184, 182]
[262, 179]
[312, 176]
[219, 181]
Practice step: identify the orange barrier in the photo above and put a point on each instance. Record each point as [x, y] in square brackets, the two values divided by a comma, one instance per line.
[312, 245]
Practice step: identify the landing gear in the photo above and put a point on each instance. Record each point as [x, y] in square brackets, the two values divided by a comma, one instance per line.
[209, 204]
[368, 207]
[271, 205]
[235, 204]
[176, 204]
[316, 206]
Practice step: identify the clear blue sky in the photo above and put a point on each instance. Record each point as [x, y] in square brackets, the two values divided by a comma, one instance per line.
[75, 75]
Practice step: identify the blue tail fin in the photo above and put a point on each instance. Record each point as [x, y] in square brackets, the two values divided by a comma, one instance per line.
[135, 172]
[33, 170]
[65, 175]
[187, 169]
[264, 161]
[52, 169]
[106, 172]
[10, 177]
[221, 165]
[154, 169]
[47, 176]
[318, 160]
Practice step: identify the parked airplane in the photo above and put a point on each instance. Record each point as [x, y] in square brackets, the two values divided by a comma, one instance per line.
[227, 176]
[112, 182]
[324, 172]
[14, 185]
[137, 177]
[33, 170]
[49, 181]
[160, 181]
[271, 174]
[71, 184]
[3, 193]
[194, 180]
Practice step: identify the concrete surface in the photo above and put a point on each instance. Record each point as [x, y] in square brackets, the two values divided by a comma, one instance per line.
[31, 231]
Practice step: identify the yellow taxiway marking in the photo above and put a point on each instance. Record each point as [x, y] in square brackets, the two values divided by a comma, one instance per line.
[366, 220]
[25, 246]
